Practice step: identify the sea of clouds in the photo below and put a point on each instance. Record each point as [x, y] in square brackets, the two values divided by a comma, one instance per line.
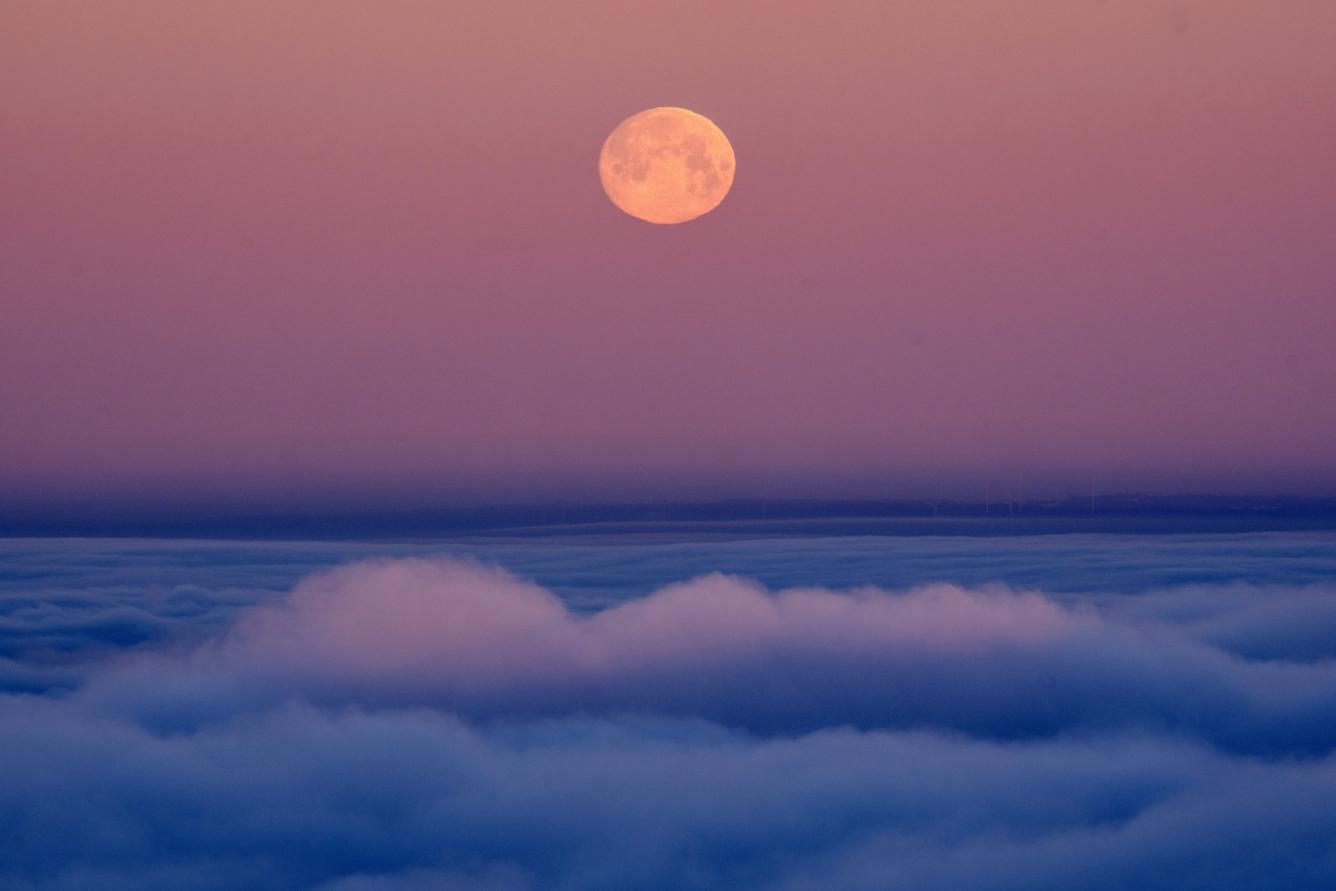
[920, 713]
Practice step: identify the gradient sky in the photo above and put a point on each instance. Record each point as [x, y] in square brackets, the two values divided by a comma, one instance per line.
[334, 249]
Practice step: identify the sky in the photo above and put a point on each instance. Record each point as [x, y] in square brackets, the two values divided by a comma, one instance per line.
[295, 253]
[1047, 712]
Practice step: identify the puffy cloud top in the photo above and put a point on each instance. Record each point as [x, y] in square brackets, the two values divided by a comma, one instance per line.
[479, 642]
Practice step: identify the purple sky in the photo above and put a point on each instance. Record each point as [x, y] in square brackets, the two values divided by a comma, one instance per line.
[361, 251]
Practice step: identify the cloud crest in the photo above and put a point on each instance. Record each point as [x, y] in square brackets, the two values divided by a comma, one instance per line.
[995, 663]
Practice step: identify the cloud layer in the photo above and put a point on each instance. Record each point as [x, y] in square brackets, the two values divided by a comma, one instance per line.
[422, 722]
[994, 663]
[300, 797]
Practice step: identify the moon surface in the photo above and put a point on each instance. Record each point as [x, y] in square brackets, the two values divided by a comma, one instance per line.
[666, 165]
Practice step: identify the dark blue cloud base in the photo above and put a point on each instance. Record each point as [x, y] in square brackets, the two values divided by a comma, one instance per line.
[1091, 712]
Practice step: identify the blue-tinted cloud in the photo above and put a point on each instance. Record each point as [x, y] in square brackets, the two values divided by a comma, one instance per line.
[424, 722]
[298, 796]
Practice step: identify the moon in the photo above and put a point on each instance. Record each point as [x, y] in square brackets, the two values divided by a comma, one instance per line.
[666, 165]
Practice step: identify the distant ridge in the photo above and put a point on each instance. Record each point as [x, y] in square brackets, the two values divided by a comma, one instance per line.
[1128, 513]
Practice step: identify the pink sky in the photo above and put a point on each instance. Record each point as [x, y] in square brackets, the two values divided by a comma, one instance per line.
[331, 246]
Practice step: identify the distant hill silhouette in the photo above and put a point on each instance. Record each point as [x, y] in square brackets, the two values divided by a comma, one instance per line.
[1127, 513]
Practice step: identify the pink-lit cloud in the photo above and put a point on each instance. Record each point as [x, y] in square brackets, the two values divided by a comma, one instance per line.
[478, 641]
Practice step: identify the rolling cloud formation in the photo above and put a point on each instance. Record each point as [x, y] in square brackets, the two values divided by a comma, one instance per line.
[421, 722]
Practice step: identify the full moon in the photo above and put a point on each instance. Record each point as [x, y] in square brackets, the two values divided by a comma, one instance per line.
[666, 165]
